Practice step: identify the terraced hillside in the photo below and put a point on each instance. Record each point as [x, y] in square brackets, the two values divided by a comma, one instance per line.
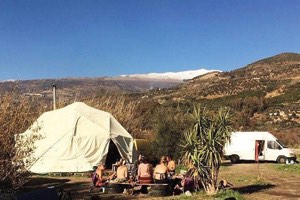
[264, 95]
[269, 77]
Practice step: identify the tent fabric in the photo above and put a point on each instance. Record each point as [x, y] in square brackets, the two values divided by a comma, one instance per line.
[76, 138]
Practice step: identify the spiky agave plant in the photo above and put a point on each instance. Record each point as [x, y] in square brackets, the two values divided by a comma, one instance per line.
[203, 145]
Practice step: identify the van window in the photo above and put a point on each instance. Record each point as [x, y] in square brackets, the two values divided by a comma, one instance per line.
[273, 145]
[281, 144]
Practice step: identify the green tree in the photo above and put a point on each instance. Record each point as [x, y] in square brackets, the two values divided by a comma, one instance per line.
[203, 145]
[170, 124]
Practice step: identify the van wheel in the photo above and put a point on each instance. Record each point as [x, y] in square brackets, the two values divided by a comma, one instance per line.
[234, 159]
[281, 159]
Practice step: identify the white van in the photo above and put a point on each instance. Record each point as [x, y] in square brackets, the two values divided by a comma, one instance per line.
[257, 145]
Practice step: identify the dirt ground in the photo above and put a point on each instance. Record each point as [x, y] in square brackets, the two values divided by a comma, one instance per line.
[262, 181]
[253, 181]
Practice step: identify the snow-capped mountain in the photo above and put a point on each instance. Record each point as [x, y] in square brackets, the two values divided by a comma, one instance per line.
[8, 80]
[183, 75]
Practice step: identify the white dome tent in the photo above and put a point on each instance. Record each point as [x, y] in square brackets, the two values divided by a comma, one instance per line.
[76, 138]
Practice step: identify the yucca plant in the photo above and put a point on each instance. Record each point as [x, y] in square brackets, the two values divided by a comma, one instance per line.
[203, 145]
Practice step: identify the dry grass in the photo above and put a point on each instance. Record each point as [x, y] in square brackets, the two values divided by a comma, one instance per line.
[17, 114]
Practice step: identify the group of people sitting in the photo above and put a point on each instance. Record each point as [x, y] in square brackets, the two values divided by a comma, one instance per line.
[143, 172]
[160, 174]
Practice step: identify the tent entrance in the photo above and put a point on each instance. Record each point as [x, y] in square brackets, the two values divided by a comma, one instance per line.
[113, 155]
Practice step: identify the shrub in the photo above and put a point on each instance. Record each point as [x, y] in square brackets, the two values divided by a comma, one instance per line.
[17, 113]
[170, 124]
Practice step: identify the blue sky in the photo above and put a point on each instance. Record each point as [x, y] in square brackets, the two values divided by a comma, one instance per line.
[90, 38]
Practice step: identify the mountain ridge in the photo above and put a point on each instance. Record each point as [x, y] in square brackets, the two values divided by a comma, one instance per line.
[182, 75]
[253, 77]
[84, 85]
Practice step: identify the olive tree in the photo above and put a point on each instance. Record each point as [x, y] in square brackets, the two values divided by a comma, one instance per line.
[170, 124]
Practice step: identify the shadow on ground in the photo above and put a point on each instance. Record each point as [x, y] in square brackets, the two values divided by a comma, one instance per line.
[253, 188]
[82, 190]
[39, 181]
[226, 164]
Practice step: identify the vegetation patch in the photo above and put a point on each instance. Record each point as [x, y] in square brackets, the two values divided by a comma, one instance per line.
[228, 194]
[249, 179]
[292, 168]
[222, 194]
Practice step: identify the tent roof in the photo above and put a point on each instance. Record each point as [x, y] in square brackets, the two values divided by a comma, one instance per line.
[78, 111]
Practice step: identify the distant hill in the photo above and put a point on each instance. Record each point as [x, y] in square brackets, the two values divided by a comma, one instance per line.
[264, 95]
[275, 75]
[74, 87]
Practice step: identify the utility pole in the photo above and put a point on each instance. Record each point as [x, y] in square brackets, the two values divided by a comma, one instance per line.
[54, 96]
